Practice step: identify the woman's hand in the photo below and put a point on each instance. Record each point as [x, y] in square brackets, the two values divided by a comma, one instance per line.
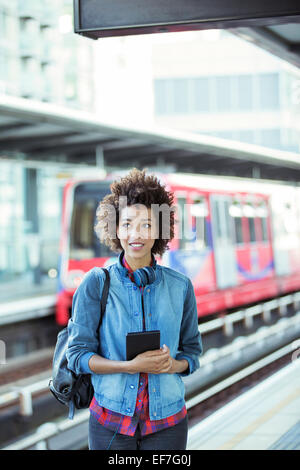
[151, 362]
[158, 361]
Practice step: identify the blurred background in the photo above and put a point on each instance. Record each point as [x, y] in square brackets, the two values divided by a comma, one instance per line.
[210, 83]
[207, 84]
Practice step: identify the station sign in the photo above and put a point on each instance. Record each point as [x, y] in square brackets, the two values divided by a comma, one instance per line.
[103, 18]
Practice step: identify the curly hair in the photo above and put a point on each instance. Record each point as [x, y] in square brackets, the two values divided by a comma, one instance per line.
[138, 188]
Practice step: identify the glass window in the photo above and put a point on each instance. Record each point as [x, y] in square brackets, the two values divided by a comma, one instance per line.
[235, 210]
[223, 228]
[50, 201]
[270, 137]
[245, 136]
[160, 96]
[223, 93]
[264, 223]
[269, 90]
[183, 223]
[13, 258]
[200, 101]
[199, 225]
[84, 243]
[181, 95]
[238, 229]
[244, 92]
[252, 229]
[262, 220]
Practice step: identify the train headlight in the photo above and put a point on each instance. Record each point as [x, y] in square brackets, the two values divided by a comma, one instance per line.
[74, 278]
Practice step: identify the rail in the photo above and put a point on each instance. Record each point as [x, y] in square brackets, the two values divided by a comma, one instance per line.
[246, 315]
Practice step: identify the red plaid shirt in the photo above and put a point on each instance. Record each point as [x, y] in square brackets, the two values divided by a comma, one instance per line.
[128, 424]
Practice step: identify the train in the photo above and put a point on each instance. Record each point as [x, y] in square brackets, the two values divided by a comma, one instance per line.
[237, 239]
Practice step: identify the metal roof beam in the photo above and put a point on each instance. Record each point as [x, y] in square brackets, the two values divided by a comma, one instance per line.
[32, 141]
[13, 126]
[72, 147]
[265, 38]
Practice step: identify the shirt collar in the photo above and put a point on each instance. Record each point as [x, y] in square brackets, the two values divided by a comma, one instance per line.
[126, 265]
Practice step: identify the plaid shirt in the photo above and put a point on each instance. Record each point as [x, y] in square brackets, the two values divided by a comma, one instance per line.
[128, 424]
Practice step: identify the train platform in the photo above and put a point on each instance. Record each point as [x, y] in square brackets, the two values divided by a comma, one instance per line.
[266, 417]
[24, 288]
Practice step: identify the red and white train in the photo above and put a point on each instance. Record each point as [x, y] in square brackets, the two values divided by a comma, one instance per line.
[238, 239]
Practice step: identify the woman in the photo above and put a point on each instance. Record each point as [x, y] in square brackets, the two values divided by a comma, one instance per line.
[138, 404]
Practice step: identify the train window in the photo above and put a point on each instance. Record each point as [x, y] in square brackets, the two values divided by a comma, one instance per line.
[249, 213]
[183, 223]
[223, 226]
[216, 211]
[83, 241]
[262, 214]
[238, 230]
[199, 212]
[235, 210]
[264, 229]
[252, 229]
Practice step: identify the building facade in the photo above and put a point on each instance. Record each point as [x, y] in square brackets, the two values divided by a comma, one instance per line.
[217, 84]
[41, 59]
[40, 56]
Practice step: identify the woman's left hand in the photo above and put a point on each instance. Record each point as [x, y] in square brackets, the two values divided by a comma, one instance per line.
[174, 366]
[170, 367]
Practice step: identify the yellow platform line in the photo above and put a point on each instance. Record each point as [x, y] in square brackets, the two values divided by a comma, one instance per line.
[247, 431]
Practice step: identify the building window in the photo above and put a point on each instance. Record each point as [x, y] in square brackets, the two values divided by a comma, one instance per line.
[223, 94]
[200, 102]
[216, 93]
[244, 92]
[268, 88]
[161, 94]
[180, 96]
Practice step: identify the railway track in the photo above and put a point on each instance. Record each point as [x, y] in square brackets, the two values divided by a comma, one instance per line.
[215, 397]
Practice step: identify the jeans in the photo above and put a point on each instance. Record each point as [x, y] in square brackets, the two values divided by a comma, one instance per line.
[173, 438]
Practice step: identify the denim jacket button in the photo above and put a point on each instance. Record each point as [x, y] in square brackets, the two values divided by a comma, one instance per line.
[128, 410]
[136, 313]
[131, 386]
[134, 287]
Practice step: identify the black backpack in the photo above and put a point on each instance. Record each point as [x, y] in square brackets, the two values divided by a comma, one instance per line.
[74, 391]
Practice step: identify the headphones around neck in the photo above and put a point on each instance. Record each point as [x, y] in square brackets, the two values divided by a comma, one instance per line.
[144, 276]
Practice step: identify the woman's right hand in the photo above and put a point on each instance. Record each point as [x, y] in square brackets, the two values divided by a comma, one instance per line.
[151, 362]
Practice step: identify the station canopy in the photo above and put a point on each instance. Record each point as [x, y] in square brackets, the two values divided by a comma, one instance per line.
[41, 133]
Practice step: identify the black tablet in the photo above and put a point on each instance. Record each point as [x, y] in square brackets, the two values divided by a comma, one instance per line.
[141, 341]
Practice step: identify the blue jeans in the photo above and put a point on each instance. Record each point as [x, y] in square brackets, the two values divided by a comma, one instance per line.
[173, 438]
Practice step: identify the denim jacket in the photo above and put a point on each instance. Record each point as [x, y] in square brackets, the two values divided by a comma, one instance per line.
[169, 306]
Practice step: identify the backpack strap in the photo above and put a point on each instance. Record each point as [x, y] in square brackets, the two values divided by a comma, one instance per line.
[104, 296]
